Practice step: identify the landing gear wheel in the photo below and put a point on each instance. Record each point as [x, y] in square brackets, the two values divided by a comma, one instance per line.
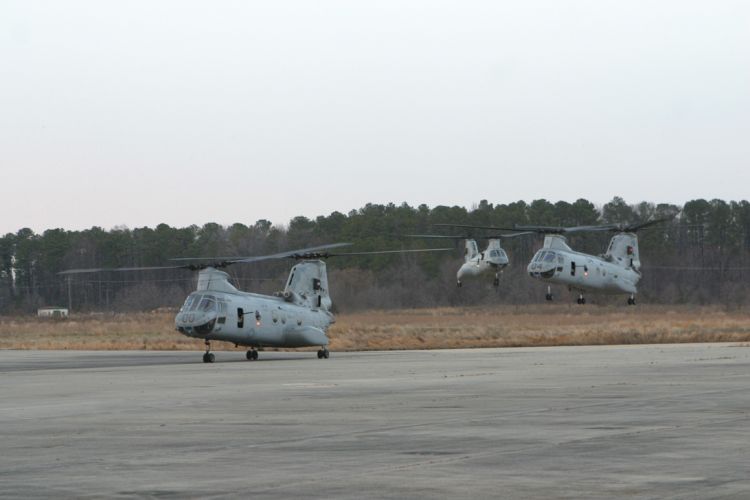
[208, 357]
[459, 284]
[548, 296]
[323, 353]
[252, 355]
[581, 300]
[631, 301]
[496, 283]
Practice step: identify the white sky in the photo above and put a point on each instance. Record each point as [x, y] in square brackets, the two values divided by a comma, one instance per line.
[138, 113]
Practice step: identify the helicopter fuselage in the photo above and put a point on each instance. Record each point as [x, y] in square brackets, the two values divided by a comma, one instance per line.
[252, 320]
[477, 263]
[583, 272]
[477, 267]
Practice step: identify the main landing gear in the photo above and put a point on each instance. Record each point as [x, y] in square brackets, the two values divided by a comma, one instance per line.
[581, 299]
[252, 355]
[323, 353]
[549, 293]
[209, 356]
[631, 300]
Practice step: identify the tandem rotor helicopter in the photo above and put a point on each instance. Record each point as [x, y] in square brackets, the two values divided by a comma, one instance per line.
[299, 316]
[477, 263]
[617, 271]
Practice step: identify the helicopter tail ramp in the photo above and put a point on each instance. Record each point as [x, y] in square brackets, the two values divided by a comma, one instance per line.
[623, 250]
[308, 285]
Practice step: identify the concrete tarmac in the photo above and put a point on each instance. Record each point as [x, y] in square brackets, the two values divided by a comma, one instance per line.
[664, 421]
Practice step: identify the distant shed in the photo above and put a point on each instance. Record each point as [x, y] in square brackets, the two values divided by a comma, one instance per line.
[52, 312]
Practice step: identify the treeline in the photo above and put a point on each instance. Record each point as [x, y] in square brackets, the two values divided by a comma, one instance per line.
[701, 256]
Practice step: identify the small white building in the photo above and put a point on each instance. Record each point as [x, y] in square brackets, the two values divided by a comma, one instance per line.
[52, 312]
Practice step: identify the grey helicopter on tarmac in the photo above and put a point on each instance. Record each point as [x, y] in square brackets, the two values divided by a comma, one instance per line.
[476, 264]
[617, 271]
[298, 316]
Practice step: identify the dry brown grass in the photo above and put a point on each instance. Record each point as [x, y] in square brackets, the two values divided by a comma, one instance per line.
[506, 326]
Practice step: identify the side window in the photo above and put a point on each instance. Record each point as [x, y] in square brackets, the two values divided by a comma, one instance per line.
[572, 268]
[240, 317]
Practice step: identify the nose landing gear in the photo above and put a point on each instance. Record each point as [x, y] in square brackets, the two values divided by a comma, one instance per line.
[631, 300]
[208, 357]
[581, 299]
[496, 281]
[252, 355]
[549, 293]
[323, 353]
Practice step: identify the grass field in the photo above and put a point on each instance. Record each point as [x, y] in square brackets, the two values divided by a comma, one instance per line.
[506, 326]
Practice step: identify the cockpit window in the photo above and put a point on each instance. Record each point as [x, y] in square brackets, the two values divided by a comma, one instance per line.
[539, 255]
[549, 257]
[195, 303]
[189, 302]
[207, 304]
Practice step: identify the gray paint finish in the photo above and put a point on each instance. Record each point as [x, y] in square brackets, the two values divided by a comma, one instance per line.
[665, 421]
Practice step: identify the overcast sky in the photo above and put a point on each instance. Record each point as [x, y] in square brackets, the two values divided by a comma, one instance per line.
[136, 113]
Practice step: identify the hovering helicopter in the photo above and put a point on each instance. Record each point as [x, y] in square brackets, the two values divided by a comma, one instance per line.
[299, 316]
[477, 263]
[617, 271]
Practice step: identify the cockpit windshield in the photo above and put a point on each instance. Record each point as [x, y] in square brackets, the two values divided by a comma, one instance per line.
[549, 257]
[200, 302]
[208, 303]
[189, 302]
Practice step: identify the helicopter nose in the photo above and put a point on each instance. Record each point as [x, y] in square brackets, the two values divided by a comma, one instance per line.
[195, 323]
[541, 269]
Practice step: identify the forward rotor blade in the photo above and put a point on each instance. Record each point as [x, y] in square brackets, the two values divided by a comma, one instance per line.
[118, 269]
[541, 229]
[382, 252]
[470, 237]
[581, 229]
[509, 235]
[436, 236]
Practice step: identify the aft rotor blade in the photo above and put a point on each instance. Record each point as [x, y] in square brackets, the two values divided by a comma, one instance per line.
[289, 254]
[642, 225]
[280, 255]
[470, 226]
